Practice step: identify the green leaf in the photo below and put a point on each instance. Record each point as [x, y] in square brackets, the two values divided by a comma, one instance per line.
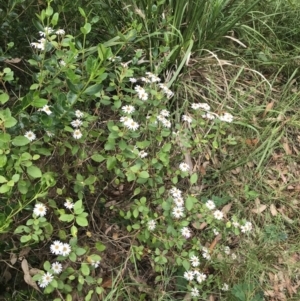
[39, 103]
[78, 205]
[144, 174]
[90, 180]
[194, 178]
[4, 188]
[3, 160]
[97, 158]
[54, 19]
[82, 12]
[73, 257]
[92, 90]
[86, 28]
[81, 221]
[10, 122]
[80, 251]
[47, 266]
[16, 178]
[85, 269]
[4, 98]
[111, 163]
[100, 247]
[34, 171]
[49, 11]
[2, 180]
[66, 217]
[20, 141]
[189, 203]
[25, 238]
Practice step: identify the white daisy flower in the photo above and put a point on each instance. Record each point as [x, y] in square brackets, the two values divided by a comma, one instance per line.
[46, 109]
[143, 154]
[205, 253]
[195, 106]
[226, 250]
[145, 80]
[185, 231]
[226, 117]
[133, 80]
[95, 264]
[128, 109]
[60, 32]
[151, 225]
[210, 205]
[164, 113]
[40, 209]
[201, 277]
[139, 89]
[225, 287]
[175, 192]
[62, 63]
[132, 125]
[65, 250]
[187, 118]
[56, 267]
[47, 31]
[46, 279]
[124, 65]
[68, 204]
[204, 106]
[247, 227]
[233, 256]
[184, 166]
[209, 116]
[194, 260]
[77, 134]
[189, 275]
[49, 134]
[166, 123]
[218, 215]
[169, 94]
[194, 292]
[216, 232]
[178, 212]
[124, 119]
[56, 247]
[78, 114]
[236, 224]
[179, 202]
[30, 135]
[143, 96]
[76, 123]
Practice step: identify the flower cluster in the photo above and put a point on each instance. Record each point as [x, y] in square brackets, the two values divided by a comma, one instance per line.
[178, 210]
[226, 117]
[142, 94]
[59, 248]
[44, 34]
[162, 118]
[77, 134]
[166, 90]
[129, 123]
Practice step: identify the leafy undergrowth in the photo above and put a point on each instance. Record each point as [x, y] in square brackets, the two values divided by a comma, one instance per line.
[117, 185]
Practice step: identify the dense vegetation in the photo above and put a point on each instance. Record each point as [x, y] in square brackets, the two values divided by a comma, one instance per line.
[149, 150]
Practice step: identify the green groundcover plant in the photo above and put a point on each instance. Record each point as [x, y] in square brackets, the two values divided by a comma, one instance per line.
[91, 121]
